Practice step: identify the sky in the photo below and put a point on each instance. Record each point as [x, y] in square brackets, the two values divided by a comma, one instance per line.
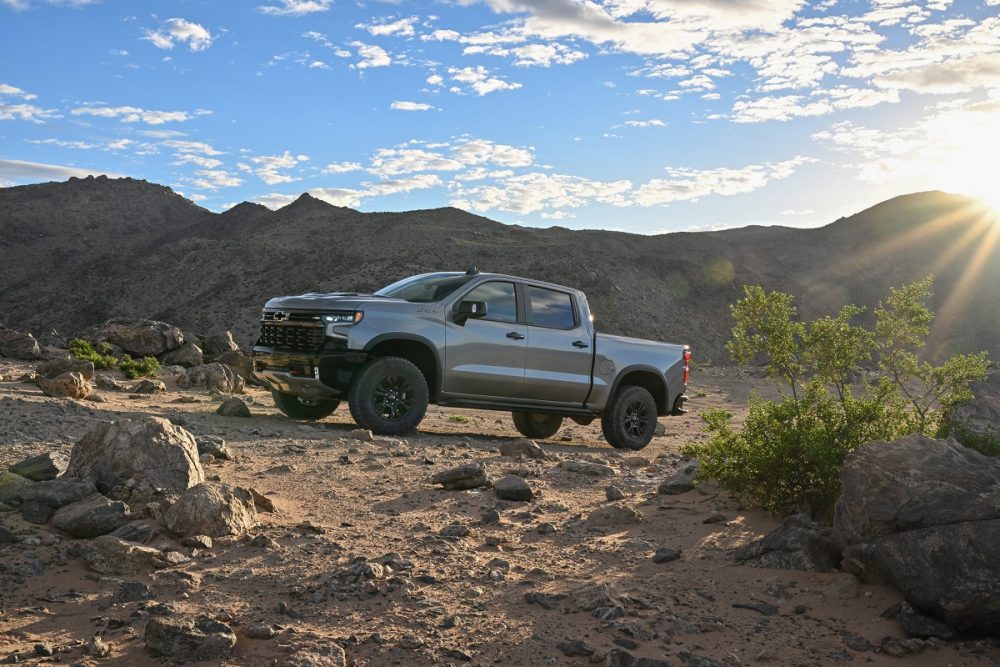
[646, 116]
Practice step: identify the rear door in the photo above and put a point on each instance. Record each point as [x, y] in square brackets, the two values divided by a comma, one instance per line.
[485, 357]
[558, 359]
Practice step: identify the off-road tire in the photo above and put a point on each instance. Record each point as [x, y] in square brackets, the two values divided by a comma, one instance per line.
[388, 396]
[630, 420]
[295, 408]
[537, 425]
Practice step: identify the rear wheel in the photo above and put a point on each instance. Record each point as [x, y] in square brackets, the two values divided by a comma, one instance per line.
[537, 425]
[300, 408]
[630, 420]
[389, 396]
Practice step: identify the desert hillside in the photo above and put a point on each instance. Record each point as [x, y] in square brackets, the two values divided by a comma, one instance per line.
[79, 252]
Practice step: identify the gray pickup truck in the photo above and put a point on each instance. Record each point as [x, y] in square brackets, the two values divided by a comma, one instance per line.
[475, 340]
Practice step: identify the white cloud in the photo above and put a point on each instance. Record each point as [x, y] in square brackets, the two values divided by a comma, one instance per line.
[395, 161]
[797, 212]
[182, 146]
[213, 179]
[28, 112]
[400, 28]
[371, 56]
[296, 7]
[18, 171]
[435, 80]
[177, 31]
[338, 196]
[197, 160]
[653, 122]
[410, 106]
[135, 114]
[274, 200]
[480, 80]
[531, 55]
[269, 167]
[692, 184]
[528, 193]
[341, 167]
[81, 145]
[14, 91]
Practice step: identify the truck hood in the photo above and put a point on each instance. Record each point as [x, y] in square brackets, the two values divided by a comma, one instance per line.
[325, 302]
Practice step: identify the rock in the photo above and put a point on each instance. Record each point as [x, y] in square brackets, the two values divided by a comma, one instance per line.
[44, 649]
[332, 656]
[212, 376]
[148, 386]
[242, 364]
[666, 554]
[588, 468]
[219, 342]
[97, 648]
[233, 407]
[979, 418]
[214, 509]
[198, 542]
[11, 487]
[916, 624]
[469, 476]
[139, 338]
[575, 648]
[56, 367]
[924, 515]
[512, 487]
[544, 600]
[362, 434]
[760, 607]
[594, 596]
[196, 641]
[187, 355]
[108, 383]
[617, 657]
[35, 512]
[42, 467]
[6, 537]
[523, 447]
[797, 544]
[261, 631]
[54, 493]
[135, 531]
[92, 516]
[681, 481]
[660, 430]
[18, 345]
[130, 591]
[455, 530]
[613, 493]
[111, 555]
[261, 502]
[715, 517]
[695, 660]
[214, 446]
[615, 514]
[132, 458]
[70, 385]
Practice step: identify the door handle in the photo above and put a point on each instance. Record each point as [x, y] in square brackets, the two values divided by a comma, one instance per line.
[514, 335]
[580, 343]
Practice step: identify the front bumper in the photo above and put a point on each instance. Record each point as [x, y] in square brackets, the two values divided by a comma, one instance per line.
[308, 376]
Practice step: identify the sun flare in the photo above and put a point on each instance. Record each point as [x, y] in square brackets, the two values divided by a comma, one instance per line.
[967, 157]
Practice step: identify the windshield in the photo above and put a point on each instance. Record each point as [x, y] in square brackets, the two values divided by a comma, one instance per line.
[427, 288]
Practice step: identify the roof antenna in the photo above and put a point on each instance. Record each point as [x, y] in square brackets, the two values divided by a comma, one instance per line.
[473, 271]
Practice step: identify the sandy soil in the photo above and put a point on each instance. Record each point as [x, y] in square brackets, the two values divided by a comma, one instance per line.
[465, 599]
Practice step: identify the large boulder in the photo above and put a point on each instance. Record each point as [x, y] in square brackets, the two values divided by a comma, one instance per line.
[219, 342]
[196, 641]
[92, 516]
[132, 458]
[18, 345]
[212, 376]
[797, 544]
[42, 467]
[137, 337]
[70, 385]
[214, 509]
[242, 364]
[924, 515]
[187, 355]
[112, 555]
[11, 487]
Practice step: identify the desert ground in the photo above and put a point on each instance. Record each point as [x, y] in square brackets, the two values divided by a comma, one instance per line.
[465, 587]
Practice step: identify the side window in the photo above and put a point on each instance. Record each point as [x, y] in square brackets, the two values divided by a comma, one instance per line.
[500, 298]
[551, 309]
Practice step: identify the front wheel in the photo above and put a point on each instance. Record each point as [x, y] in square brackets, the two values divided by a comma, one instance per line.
[389, 396]
[630, 420]
[537, 425]
[300, 408]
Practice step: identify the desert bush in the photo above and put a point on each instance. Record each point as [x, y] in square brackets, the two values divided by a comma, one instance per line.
[788, 454]
[133, 369]
[101, 357]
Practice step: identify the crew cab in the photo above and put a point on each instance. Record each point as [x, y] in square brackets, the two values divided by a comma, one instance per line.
[466, 339]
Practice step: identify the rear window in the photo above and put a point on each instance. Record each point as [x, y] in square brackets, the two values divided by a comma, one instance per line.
[550, 308]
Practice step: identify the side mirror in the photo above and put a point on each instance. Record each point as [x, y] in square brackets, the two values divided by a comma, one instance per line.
[470, 310]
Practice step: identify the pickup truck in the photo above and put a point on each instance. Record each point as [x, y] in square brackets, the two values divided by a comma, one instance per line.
[475, 340]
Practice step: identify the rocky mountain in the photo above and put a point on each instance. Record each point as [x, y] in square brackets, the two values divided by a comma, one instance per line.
[76, 253]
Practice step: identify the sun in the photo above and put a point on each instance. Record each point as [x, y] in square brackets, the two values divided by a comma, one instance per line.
[966, 158]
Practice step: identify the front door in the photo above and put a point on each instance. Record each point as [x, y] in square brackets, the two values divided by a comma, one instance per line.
[485, 357]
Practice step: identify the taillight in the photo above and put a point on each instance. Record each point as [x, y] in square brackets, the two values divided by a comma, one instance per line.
[687, 365]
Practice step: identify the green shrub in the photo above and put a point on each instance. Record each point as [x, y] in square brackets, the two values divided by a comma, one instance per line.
[101, 357]
[145, 367]
[788, 455]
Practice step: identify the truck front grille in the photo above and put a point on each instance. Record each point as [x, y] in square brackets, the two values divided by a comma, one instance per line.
[296, 331]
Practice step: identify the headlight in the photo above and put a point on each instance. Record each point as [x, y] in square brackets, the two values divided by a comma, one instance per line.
[345, 317]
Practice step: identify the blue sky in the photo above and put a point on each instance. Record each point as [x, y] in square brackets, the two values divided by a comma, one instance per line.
[639, 115]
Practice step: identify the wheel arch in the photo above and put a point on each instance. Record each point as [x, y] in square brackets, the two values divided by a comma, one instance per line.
[419, 351]
[650, 379]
